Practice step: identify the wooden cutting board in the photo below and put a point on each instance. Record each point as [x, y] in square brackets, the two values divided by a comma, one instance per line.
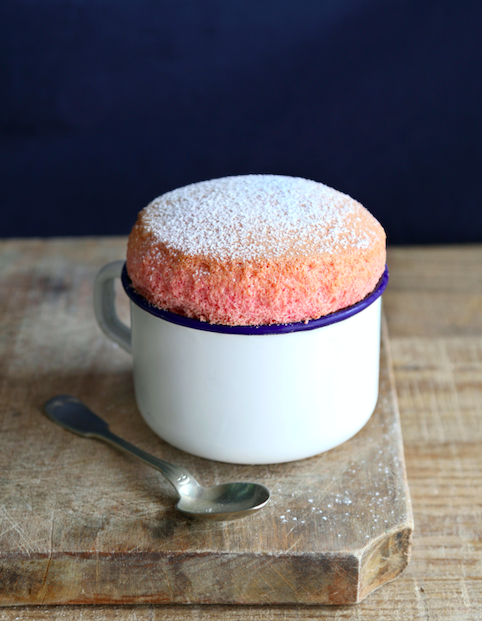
[83, 523]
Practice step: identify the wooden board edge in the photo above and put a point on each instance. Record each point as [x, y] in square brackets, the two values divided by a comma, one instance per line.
[385, 559]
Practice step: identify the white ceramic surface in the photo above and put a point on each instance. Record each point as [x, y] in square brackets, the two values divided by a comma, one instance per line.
[249, 399]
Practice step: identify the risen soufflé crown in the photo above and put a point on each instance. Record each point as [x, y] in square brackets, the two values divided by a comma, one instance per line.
[255, 250]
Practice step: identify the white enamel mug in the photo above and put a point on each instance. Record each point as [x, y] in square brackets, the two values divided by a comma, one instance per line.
[248, 395]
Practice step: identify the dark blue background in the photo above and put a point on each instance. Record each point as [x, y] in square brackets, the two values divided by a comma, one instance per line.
[106, 104]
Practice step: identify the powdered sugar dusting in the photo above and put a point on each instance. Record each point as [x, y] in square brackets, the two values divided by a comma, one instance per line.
[254, 216]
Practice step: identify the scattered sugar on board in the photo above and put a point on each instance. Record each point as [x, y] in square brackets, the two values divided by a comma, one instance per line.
[376, 506]
[252, 216]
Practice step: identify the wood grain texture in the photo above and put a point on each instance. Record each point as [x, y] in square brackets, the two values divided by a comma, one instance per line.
[81, 523]
[405, 599]
[431, 306]
[434, 313]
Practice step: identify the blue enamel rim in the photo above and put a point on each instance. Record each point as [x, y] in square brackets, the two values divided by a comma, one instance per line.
[327, 320]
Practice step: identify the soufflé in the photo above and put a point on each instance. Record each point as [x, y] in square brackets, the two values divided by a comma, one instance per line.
[255, 250]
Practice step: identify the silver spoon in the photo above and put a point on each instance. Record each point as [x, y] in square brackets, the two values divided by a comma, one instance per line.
[228, 501]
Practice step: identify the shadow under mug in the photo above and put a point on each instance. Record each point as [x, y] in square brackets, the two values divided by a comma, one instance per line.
[247, 394]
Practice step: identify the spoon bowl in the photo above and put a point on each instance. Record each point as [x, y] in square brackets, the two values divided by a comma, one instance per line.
[224, 502]
[227, 501]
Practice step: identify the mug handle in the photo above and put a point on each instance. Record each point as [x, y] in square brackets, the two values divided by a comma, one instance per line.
[104, 306]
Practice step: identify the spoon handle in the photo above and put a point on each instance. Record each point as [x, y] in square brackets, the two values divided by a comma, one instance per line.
[70, 413]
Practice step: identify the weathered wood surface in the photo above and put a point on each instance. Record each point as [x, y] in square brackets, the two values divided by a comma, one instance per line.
[434, 310]
[82, 523]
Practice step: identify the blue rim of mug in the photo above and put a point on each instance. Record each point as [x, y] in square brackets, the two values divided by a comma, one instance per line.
[284, 328]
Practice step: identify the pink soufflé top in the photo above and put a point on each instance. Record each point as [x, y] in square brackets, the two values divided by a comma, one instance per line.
[255, 250]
